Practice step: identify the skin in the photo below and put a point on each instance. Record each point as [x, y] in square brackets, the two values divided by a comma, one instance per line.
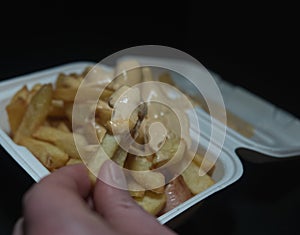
[65, 203]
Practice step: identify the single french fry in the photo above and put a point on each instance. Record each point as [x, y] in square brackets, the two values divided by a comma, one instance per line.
[138, 163]
[65, 94]
[120, 156]
[97, 154]
[63, 127]
[109, 145]
[135, 190]
[141, 172]
[20, 94]
[61, 139]
[151, 180]
[33, 91]
[85, 93]
[68, 106]
[166, 78]
[72, 81]
[127, 72]
[173, 149]
[17, 108]
[147, 74]
[116, 95]
[36, 112]
[118, 127]
[59, 123]
[73, 161]
[106, 94]
[205, 163]
[151, 202]
[103, 113]
[49, 155]
[93, 132]
[86, 110]
[57, 109]
[100, 155]
[95, 162]
[100, 132]
[194, 181]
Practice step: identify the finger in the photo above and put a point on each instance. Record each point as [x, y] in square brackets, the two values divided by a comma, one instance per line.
[56, 204]
[18, 228]
[118, 207]
[67, 186]
[73, 178]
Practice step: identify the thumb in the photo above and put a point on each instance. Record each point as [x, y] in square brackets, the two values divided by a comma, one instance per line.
[117, 206]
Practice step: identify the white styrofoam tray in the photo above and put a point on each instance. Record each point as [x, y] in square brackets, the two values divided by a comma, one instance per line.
[228, 166]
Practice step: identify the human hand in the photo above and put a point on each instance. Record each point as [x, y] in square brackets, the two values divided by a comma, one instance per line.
[58, 204]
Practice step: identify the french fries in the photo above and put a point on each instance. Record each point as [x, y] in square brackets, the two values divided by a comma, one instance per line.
[42, 120]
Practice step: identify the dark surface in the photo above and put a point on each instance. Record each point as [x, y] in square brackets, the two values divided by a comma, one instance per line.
[251, 45]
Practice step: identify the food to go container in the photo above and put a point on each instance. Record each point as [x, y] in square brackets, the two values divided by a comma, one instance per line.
[274, 132]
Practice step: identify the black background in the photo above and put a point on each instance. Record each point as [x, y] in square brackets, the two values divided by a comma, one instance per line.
[251, 45]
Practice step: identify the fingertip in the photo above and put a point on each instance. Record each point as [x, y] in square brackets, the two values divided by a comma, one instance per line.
[72, 177]
[112, 174]
[111, 188]
[74, 169]
[18, 228]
